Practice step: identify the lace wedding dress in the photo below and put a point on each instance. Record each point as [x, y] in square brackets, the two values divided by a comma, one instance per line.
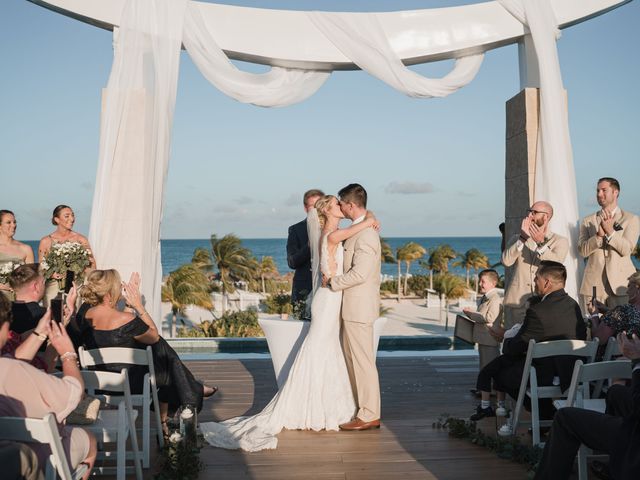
[317, 394]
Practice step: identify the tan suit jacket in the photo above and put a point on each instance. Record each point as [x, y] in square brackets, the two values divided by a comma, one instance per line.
[361, 280]
[525, 265]
[608, 260]
[491, 309]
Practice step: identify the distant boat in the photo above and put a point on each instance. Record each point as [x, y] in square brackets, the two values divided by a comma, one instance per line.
[287, 38]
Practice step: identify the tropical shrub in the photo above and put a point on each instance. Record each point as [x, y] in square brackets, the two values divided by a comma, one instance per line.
[231, 324]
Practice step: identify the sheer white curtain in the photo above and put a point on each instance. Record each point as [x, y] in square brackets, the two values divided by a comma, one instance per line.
[555, 174]
[135, 138]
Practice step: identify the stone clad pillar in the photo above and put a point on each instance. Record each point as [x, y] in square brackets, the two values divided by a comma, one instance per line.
[520, 166]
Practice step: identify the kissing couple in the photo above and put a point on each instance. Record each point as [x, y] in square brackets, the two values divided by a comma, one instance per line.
[331, 385]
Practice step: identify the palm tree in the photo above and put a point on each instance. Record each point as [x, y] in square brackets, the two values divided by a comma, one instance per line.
[449, 287]
[472, 259]
[267, 269]
[233, 261]
[408, 253]
[202, 259]
[185, 286]
[438, 262]
[386, 253]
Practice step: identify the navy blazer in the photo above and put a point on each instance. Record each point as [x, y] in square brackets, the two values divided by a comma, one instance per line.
[299, 259]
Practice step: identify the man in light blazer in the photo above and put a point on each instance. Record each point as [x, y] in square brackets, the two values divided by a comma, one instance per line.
[523, 254]
[607, 239]
[360, 308]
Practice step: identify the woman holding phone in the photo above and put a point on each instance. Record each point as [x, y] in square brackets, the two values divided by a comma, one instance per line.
[63, 218]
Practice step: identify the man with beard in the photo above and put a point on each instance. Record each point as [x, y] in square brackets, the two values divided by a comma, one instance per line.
[607, 240]
[523, 255]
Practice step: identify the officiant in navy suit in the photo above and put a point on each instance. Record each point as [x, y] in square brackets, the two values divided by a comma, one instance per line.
[298, 253]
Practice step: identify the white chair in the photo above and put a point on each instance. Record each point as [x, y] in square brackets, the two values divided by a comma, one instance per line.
[42, 430]
[133, 356]
[576, 348]
[114, 425]
[611, 350]
[579, 395]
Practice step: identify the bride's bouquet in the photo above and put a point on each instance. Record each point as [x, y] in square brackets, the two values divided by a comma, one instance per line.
[63, 257]
[5, 270]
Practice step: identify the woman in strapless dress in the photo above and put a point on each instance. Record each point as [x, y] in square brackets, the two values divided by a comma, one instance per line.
[11, 250]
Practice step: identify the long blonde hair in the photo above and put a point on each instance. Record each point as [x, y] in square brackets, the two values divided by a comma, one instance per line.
[101, 283]
[321, 207]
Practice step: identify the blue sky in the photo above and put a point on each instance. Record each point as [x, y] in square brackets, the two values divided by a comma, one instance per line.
[242, 169]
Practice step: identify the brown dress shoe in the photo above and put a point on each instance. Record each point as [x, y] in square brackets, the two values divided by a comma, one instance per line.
[358, 424]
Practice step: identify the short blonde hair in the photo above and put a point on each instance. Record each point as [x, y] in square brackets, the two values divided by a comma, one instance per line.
[101, 283]
[321, 207]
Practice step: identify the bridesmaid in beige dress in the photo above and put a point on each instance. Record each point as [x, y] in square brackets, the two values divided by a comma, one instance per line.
[63, 218]
[11, 250]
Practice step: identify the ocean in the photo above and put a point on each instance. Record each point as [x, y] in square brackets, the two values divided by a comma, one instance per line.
[178, 252]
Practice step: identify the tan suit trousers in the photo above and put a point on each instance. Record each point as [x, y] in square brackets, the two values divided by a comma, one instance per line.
[357, 342]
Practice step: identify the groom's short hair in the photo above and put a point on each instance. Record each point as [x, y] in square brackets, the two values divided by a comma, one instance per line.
[354, 193]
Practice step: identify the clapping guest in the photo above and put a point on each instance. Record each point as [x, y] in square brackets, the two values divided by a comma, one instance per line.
[63, 219]
[110, 327]
[11, 250]
[28, 392]
[609, 322]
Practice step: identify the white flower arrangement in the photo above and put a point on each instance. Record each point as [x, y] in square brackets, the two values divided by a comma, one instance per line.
[5, 270]
[65, 256]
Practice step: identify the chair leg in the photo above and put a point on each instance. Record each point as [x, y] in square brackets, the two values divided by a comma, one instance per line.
[146, 435]
[121, 457]
[535, 420]
[583, 473]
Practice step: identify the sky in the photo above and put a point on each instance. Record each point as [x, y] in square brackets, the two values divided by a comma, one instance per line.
[431, 167]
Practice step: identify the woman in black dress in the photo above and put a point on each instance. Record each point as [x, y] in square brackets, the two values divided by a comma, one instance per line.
[106, 326]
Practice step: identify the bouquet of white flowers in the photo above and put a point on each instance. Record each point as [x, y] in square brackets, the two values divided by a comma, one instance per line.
[65, 256]
[5, 270]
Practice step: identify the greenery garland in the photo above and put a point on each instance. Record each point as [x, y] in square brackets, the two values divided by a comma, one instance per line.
[180, 460]
[508, 448]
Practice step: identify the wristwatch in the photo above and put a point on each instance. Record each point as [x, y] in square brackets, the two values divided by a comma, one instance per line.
[329, 284]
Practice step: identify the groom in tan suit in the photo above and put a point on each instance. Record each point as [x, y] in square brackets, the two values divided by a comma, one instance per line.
[360, 308]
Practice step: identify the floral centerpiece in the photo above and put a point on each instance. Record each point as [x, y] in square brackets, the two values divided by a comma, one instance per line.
[65, 256]
[5, 270]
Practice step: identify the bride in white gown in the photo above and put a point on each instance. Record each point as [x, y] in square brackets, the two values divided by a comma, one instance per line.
[317, 394]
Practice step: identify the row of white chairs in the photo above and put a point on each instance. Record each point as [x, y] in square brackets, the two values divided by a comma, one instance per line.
[580, 393]
[115, 425]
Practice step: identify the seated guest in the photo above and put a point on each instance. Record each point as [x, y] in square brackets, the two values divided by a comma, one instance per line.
[619, 436]
[623, 318]
[28, 285]
[28, 392]
[19, 462]
[553, 315]
[111, 327]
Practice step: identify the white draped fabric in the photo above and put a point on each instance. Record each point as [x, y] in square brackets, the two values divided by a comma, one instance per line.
[360, 37]
[555, 176]
[135, 139]
[140, 97]
[277, 88]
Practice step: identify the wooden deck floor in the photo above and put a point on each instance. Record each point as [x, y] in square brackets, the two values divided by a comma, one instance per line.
[415, 391]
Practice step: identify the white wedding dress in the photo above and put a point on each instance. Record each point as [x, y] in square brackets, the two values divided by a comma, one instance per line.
[317, 394]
